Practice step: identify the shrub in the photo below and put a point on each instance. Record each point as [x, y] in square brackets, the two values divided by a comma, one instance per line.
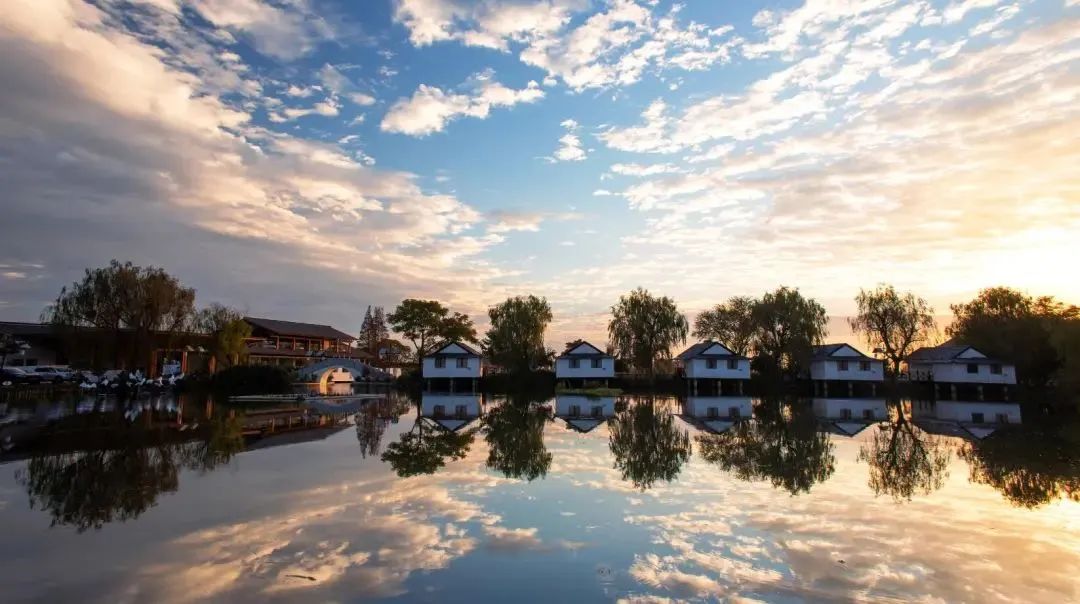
[251, 379]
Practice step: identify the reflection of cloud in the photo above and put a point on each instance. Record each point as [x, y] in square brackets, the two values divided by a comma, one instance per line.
[524, 539]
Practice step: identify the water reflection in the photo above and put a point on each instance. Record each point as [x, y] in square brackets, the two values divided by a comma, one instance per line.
[903, 459]
[584, 413]
[440, 433]
[781, 444]
[372, 421]
[515, 438]
[87, 489]
[647, 444]
[1029, 466]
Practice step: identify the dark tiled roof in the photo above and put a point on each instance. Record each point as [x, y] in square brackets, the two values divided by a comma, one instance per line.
[468, 349]
[583, 355]
[698, 351]
[270, 351]
[17, 328]
[825, 351]
[301, 330]
[943, 353]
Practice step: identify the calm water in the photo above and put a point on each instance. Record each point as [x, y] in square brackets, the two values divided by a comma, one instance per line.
[569, 499]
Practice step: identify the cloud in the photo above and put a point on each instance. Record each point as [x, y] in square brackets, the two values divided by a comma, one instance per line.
[505, 221]
[286, 31]
[337, 82]
[175, 174]
[430, 108]
[570, 148]
[611, 47]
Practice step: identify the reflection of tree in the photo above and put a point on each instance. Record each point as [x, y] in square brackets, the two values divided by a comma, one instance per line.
[92, 488]
[225, 439]
[426, 447]
[905, 460]
[1031, 467]
[515, 437]
[787, 449]
[371, 423]
[647, 445]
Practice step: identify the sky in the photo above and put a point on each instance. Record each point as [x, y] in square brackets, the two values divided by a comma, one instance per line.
[302, 159]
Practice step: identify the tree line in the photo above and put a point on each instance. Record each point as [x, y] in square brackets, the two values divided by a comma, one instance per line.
[1040, 335]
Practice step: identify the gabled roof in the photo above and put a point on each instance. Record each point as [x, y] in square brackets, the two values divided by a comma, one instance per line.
[949, 352]
[578, 344]
[702, 350]
[828, 351]
[301, 330]
[444, 345]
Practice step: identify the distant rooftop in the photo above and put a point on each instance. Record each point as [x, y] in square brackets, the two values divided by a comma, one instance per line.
[827, 351]
[301, 330]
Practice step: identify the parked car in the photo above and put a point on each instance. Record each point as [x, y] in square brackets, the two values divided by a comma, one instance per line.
[17, 375]
[56, 375]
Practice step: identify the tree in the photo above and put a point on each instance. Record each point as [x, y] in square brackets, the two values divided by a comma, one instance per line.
[647, 445]
[904, 460]
[516, 337]
[1008, 324]
[892, 323]
[425, 323]
[147, 301]
[644, 328]
[786, 328]
[228, 332]
[784, 448]
[515, 437]
[373, 331]
[731, 323]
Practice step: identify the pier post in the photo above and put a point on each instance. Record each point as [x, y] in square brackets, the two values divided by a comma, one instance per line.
[719, 387]
[980, 388]
[873, 390]
[451, 385]
[740, 387]
[474, 385]
[850, 389]
[825, 389]
[952, 392]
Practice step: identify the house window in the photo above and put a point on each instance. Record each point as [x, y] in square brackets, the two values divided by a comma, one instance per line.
[1002, 418]
[845, 413]
[597, 363]
[733, 364]
[440, 411]
[868, 414]
[711, 363]
[713, 412]
[978, 418]
[461, 410]
[575, 363]
[973, 368]
[864, 365]
[841, 365]
[598, 411]
[440, 362]
[734, 413]
[575, 410]
[463, 363]
[995, 369]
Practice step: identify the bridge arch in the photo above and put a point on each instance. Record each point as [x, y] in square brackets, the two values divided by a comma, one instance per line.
[320, 371]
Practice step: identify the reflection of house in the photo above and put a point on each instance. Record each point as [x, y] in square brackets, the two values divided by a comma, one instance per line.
[977, 418]
[960, 371]
[849, 416]
[452, 411]
[583, 361]
[584, 413]
[845, 370]
[717, 413]
[715, 363]
[452, 362]
[293, 344]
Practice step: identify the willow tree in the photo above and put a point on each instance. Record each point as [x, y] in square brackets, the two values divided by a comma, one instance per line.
[228, 332]
[786, 328]
[516, 338]
[731, 323]
[893, 323]
[647, 445]
[644, 328]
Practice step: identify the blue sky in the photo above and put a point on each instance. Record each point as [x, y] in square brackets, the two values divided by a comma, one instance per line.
[304, 158]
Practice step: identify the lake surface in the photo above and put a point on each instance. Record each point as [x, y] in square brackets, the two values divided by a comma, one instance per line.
[462, 498]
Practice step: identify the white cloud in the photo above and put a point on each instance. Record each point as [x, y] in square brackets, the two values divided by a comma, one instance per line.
[286, 32]
[430, 108]
[337, 82]
[570, 148]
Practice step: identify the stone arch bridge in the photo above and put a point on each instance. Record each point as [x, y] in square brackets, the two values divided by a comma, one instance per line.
[320, 371]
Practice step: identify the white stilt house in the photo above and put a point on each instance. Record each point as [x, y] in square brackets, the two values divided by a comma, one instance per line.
[849, 416]
[712, 363]
[452, 411]
[960, 371]
[717, 413]
[584, 362]
[453, 362]
[845, 371]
